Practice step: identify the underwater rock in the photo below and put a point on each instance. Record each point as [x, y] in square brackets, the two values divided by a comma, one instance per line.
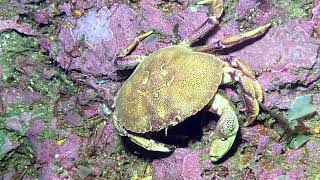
[293, 156]
[110, 34]
[263, 144]
[13, 24]
[72, 118]
[11, 96]
[244, 6]
[155, 19]
[297, 173]
[66, 155]
[94, 26]
[273, 174]
[33, 132]
[46, 152]
[93, 109]
[68, 152]
[48, 172]
[182, 164]
[277, 149]
[7, 145]
[41, 17]
[66, 8]
[291, 45]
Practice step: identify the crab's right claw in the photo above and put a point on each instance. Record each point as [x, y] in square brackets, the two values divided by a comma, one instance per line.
[219, 147]
[216, 7]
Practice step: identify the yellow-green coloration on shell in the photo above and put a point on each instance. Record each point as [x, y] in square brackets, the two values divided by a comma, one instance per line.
[169, 86]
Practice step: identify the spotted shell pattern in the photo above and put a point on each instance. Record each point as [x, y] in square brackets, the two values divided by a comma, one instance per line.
[172, 84]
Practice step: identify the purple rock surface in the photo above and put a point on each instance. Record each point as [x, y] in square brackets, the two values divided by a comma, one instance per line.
[13, 24]
[93, 26]
[293, 156]
[277, 149]
[41, 17]
[83, 38]
[263, 144]
[182, 164]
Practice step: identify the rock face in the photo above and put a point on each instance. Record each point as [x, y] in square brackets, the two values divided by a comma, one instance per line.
[57, 84]
[106, 31]
[182, 164]
[292, 45]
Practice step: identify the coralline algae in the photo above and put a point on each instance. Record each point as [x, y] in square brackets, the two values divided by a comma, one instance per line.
[85, 48]
[182, 164]
[94, 26]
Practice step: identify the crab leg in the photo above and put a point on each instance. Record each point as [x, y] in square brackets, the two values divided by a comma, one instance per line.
[207, 26]
[125, 61]
[239, 38]
[251, 91]
[128, 62]
[237, 63]
[148, 144]
[124, 52]
[227, 127]
[233, 40]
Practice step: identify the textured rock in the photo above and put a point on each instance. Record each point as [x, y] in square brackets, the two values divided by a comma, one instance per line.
[182, 164]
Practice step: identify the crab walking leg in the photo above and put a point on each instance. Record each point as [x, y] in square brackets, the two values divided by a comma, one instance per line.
[207, 26]
[124, 52]
[237, 63]
[199, 33]
[239, 38]
[251, 91]
[125, 61]
[233, 40]
[128, 62]
[227, 127]
[148, 144]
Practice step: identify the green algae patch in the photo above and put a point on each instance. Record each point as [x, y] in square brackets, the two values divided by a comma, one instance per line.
[229, 10]
[142, 172]
[22, 62]
[14, 48]
[9, 9]
[297, 8]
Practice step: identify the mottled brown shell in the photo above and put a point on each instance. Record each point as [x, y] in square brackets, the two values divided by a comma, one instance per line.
[170, 85]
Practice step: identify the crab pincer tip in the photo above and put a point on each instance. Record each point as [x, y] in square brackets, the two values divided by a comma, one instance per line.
[249, 121]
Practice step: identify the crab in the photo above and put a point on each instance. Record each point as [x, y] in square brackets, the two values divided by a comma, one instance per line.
[175, 82]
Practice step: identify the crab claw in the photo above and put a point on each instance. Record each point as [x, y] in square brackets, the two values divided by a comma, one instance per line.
[227, 127]
[249, 121]
[219, 147]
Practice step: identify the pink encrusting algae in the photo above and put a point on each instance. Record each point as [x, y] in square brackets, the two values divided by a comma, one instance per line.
[58, 82]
